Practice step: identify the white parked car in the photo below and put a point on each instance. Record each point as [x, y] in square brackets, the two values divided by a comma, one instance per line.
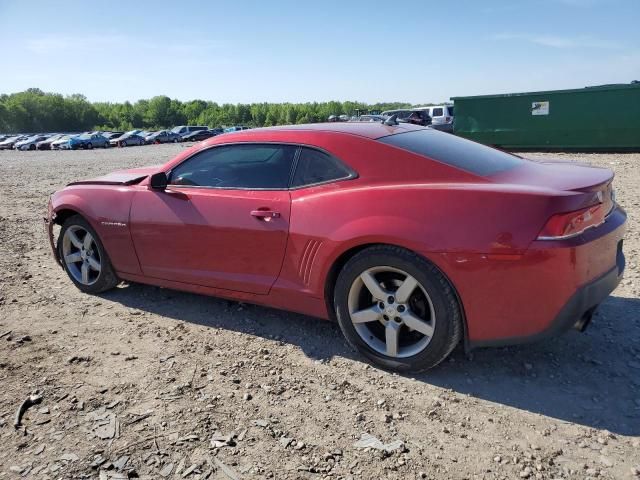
[29, 143]
[62, 143]
[441, 117]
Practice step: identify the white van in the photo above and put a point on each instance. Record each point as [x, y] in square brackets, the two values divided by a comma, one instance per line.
[441, 117]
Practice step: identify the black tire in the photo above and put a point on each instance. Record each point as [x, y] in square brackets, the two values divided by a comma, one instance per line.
[90, 146]
[32, 147]
[448, 328]
[107, 279]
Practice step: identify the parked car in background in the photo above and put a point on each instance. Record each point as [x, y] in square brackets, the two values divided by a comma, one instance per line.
[46, 143]
[8, 143]
[183, 129]
[163, 136]
[410, 115]
[62, 143]
[88, 141]
[441, 117]
[112, 135]
[471, 238]
[198, 135]
[235, 128]
[29, 143]
[128, 139]
[369, 118]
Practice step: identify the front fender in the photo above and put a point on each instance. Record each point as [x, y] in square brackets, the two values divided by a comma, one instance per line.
[106, 208]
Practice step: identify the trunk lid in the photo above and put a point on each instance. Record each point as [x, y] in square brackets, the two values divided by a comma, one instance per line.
[558, 175]
[594, 183]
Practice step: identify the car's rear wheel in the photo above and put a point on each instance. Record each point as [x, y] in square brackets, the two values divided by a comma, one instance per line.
[90, 146]
[175, 140]
[397, 309]
[84, 258]
[32, 147]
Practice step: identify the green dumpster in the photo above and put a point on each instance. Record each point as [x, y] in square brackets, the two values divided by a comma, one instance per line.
[605, 117]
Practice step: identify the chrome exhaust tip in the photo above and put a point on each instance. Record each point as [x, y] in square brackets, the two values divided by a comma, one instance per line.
[584, 321]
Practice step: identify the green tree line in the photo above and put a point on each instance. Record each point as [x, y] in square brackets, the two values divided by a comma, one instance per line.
[36, 111]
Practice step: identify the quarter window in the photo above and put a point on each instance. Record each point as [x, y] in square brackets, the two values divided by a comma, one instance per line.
[315, 166]
[254, 166]
[437, 112]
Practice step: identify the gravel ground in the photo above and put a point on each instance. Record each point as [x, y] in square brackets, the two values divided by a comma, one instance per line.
[154, 383]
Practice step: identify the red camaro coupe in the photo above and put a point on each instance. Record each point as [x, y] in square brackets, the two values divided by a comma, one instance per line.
[411, 238]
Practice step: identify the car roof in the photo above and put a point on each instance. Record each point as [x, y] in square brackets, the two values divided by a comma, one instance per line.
[370, 130]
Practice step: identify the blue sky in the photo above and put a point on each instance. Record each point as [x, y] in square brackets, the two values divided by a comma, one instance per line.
[297, 51]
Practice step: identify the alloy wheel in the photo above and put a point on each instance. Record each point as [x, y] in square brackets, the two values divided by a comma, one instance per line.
[81, 255]
[391, 312]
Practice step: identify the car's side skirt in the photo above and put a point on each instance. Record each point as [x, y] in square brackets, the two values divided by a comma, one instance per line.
[277, 298]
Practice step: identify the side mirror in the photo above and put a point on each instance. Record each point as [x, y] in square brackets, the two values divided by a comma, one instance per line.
[159, 181]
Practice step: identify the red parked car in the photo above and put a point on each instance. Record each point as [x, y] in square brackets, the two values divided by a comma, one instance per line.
[413, 239]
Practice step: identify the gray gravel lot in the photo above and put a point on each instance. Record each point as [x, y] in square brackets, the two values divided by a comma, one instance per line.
[163, 384]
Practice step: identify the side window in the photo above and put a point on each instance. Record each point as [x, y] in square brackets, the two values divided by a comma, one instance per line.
[237, 166]
[437, 112]
[315, 166]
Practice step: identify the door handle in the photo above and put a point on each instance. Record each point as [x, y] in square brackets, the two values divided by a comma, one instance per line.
[265, 214]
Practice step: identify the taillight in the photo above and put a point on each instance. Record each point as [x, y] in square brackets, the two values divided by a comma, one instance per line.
[567, 225]
[447, 119]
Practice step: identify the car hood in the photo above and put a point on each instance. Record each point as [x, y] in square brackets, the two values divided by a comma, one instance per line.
[120, 177]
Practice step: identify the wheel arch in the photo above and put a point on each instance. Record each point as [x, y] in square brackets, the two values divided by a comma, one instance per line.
[342, 259]
[64, 213]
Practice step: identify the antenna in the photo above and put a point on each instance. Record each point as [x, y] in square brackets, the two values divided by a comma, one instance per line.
[392, 120]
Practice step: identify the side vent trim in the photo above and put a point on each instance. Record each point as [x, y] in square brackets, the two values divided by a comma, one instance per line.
[307, 260]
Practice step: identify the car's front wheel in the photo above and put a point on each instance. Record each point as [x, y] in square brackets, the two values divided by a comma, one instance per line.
[397, 309]
[90, 146]
[84, 258]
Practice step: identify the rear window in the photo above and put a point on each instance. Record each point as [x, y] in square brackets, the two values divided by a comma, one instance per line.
[450, 111]
[437, 112]
[455, 151]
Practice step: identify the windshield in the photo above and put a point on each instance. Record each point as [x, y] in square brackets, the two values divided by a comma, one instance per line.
[84, 136]
[455, 151]
[176, 129]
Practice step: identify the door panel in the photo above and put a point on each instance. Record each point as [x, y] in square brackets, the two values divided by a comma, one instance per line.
[212, 237]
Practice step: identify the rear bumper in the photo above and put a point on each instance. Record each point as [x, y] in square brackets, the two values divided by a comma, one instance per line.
[551, 287]
[577, 312]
